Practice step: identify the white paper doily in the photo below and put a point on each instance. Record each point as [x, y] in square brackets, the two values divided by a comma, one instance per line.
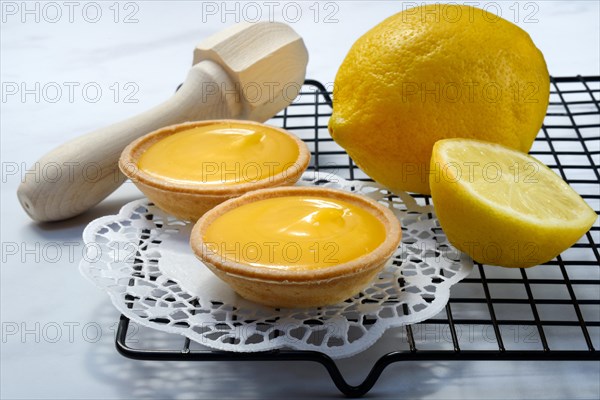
[142, 258]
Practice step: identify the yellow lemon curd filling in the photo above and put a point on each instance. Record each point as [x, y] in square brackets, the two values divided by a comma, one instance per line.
[295, 233]
[217, 154]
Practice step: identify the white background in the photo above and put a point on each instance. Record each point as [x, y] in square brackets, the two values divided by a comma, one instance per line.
[44, 287]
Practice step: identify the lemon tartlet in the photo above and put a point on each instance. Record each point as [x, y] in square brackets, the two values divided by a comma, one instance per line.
[189, 168]
[296, 246]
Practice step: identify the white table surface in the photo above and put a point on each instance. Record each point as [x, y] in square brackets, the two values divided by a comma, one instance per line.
[51, 346]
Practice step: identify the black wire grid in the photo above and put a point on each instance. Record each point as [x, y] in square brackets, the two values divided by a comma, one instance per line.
[546, 313]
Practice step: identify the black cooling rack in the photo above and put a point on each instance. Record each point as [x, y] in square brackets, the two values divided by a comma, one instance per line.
[548, 313]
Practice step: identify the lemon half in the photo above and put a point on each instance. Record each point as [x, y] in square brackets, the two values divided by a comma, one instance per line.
[503, 207]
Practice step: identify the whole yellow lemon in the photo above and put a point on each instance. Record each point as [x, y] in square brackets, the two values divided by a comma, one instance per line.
[435, 72]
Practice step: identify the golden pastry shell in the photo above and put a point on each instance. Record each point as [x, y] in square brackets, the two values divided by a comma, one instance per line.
[191, 200]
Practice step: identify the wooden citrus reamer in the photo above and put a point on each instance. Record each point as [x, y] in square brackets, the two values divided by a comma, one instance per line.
[249, 71]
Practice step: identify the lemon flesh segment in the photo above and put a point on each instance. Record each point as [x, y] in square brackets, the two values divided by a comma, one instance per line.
[503, 207]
